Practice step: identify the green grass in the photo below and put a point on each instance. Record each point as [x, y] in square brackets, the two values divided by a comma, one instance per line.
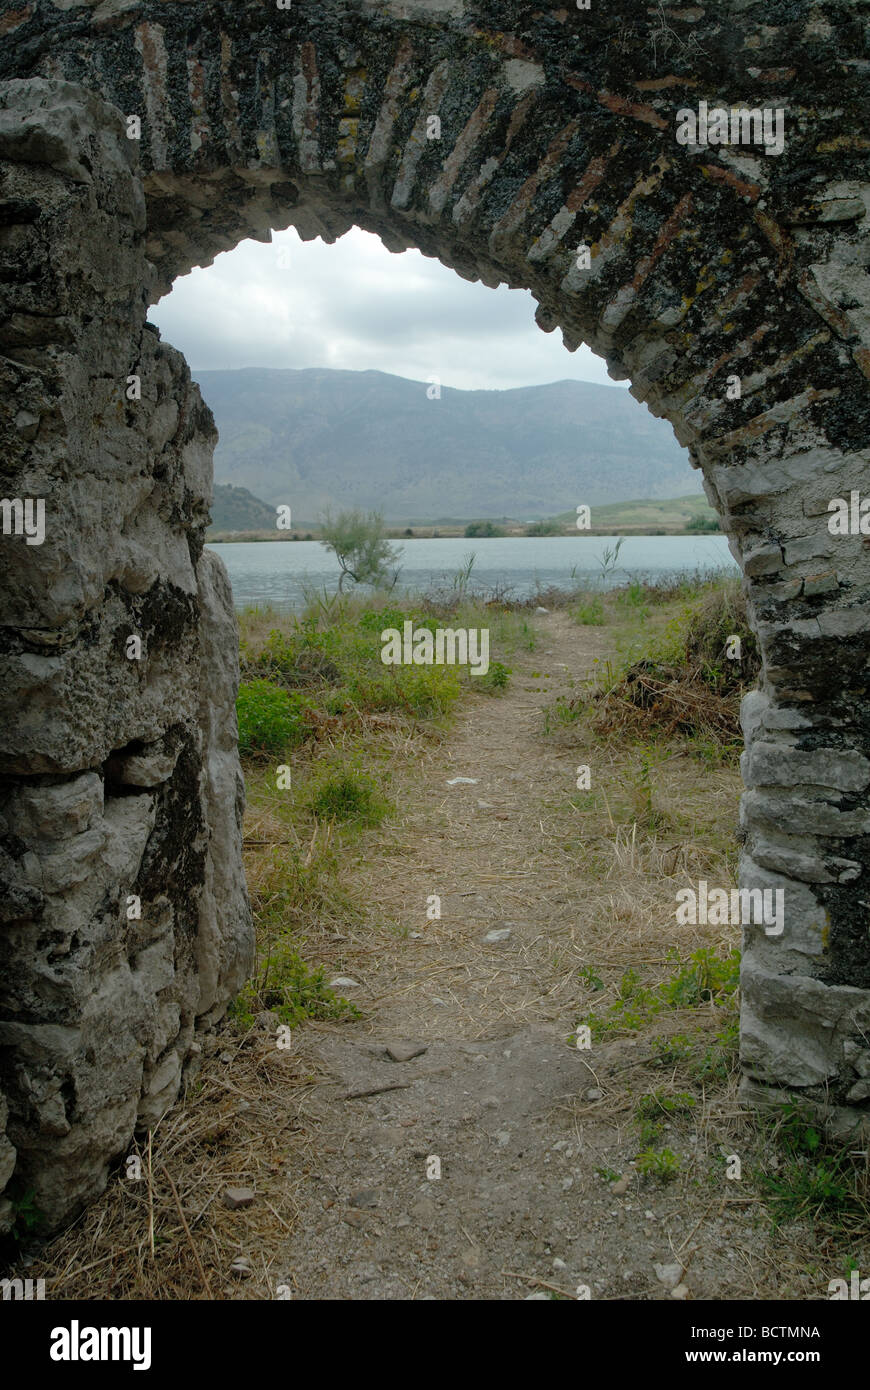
[814, 1177]
[287, 987]
[301, 672]
[346, 793]
[704, 978]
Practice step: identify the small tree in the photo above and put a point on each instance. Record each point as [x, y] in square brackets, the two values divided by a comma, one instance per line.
[358, 542]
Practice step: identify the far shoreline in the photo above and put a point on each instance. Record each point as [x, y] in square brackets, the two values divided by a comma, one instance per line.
[456, 533]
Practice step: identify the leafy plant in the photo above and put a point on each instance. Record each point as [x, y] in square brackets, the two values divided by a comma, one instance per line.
[291, 990]
[496, 678]
[270, 719]
[663, 1164]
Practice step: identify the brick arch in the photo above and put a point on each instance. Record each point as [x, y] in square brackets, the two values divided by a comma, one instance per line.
[557, 129]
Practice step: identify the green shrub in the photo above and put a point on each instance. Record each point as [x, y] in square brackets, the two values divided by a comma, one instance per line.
[496, 678]
[290, 990]
[270, 719]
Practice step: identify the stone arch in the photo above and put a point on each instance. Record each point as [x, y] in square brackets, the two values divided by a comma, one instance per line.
[555, 129]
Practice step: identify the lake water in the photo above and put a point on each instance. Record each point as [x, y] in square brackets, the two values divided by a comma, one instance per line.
[279, 573]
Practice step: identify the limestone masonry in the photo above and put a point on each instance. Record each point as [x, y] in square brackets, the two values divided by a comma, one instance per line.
[559, 161]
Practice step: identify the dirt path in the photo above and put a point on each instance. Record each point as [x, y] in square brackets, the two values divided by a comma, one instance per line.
[453, 1142]
[515, 1118]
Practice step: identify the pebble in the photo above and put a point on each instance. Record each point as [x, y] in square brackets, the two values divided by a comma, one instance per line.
[235, 1197]
[620, 1187]
[226, 1058]
[535, 1297]
[649, 1216]
[485, 805]
[669, 1275]
[462, 781]
[500, 934]
[404, 1052]
[681, 1291]
[542, 610]
[241, 1267]
[594, 1094]
[343, 982]
[559, 1264]
[367, 1197]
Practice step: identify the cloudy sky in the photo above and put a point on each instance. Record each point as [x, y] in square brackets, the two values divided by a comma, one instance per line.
[355, 306]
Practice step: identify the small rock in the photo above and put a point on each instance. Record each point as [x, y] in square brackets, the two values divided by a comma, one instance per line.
[463, 781]
[404, 1052]
[594, 1094]
[500, 934]
[343, 982]
[226, 1058]
[503, 1137]
[566, 1183]
[241, 1267]
[235, 1197]
[649, 1216]
[416, 935]
[366, 1198]
[542, 610]
[485, 805]
[559, 1264]
[669, 1275]
[352, 1218]
[402, 1222]
[620, 1187]
[681, 1291]
[536, 1297]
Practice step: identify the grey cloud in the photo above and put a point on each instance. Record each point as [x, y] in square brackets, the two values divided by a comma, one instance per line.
[356, 306]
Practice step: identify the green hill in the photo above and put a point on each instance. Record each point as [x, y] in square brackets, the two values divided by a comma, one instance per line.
[646, 515]
[237, 509]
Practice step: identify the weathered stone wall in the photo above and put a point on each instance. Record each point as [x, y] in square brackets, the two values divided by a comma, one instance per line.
[120, 776]
[557, 129]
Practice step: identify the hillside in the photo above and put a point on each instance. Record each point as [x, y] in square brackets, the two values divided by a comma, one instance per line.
[646, 516]
[237, 509]
[318, 438]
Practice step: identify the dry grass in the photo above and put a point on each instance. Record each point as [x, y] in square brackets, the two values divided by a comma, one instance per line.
[244, 1122]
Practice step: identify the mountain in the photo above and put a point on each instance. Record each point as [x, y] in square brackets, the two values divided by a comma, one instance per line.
[318, 438]
[237, 509]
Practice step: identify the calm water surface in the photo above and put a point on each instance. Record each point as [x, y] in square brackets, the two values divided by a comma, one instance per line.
[280, 573]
